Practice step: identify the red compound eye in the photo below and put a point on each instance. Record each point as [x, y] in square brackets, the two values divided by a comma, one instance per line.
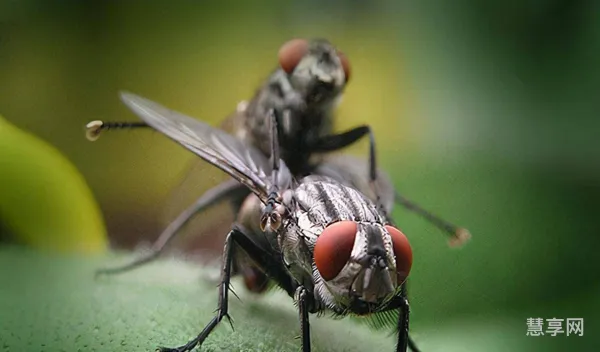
[403, 253]
[291, 53]
[345, 64]
[333, 248]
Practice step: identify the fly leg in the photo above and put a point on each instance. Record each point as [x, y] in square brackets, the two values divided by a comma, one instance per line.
[273, 212]
[209, 198]
[236, 240]
[411, 344]
[400, 302]
[458, 235]
[403, 320]
[355, 134]
[94, 128]
[302, 299]
[223, 305]
[338, 141]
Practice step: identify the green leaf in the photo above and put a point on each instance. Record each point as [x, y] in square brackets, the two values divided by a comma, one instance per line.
[52, 303]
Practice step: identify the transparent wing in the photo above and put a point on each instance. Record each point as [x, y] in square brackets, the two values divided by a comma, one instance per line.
[207, 230]
[241, 161]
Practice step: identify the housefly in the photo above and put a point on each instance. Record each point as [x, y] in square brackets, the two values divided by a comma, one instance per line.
[326, 244]
[305, 89]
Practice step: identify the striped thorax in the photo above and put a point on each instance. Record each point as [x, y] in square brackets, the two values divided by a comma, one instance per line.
[338, 244]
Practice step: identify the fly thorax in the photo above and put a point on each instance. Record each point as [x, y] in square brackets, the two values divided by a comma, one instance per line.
[296, 244]
[297, 253]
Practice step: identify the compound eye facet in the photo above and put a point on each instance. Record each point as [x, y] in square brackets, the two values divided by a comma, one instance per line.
[345, 64]
[402, 251]
[333, 248]
[291, 53]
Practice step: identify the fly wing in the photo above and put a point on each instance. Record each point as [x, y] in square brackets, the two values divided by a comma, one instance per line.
[196, 178]
[241, 161]
[206, 231]
[354, 172]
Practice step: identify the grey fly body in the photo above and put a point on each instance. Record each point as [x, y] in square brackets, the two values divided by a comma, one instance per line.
[305, 88]
[303, 91]
[326, 244]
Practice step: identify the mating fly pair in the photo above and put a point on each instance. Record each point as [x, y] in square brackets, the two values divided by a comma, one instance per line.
[303, 92]
[305, 88]
[322, 241]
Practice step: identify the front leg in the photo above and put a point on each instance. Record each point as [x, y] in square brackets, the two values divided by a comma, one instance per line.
[301, 297]
[335, 142]
[403, 322]
[263, 258]
[404, 339]
[223, 305]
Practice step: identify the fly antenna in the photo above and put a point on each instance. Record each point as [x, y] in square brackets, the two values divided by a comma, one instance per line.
[94, 128]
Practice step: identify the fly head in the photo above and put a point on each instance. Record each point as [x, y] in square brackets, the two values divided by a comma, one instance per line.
[315, 69]
[360, 264]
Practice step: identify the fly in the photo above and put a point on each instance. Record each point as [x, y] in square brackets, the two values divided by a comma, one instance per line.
[326, 244]
[303, 91]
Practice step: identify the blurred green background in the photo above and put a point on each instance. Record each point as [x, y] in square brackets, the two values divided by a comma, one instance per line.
[485, 113]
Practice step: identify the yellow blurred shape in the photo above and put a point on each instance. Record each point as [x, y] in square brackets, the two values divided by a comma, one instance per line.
[45, 202]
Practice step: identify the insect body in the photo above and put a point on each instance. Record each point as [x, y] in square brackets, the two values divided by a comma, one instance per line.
[323, 242]
[305, 89]
[302, 92]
